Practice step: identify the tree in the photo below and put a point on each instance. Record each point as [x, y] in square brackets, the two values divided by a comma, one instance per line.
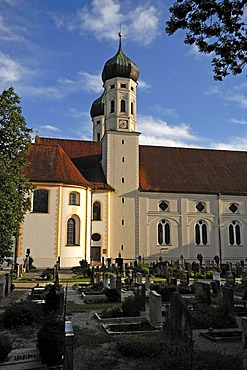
[213, 26]
[14, 187]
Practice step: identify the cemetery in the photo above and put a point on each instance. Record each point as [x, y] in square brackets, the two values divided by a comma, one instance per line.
[163, 315]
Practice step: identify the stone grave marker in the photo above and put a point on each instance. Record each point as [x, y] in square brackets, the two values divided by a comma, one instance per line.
[105, 280]
[184, 278]
[112, 282]
[140, 296]
[139, 278]
[202, 292]
[228, 300]
[23, 359]
[155, 309]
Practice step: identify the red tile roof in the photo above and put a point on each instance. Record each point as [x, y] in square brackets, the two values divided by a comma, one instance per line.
[162, 169]
[49, 163]
[185, 170]
[86, 157]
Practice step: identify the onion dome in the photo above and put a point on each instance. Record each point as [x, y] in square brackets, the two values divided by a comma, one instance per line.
[120, 66]
[97, 108]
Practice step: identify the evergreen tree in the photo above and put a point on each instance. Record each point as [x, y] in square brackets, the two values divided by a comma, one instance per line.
[14, 187]
[214, 26]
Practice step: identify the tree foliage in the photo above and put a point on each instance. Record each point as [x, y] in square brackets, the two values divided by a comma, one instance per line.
[213, 26]
[14, 187]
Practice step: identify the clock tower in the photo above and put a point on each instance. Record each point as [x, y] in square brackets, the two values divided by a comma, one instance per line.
[114, 119]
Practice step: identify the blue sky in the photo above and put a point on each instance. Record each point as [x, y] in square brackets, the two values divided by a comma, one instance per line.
[53, 52]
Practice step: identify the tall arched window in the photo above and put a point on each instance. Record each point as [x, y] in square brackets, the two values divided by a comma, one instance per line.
[164, 237]
[234, 233]
[132, 108]
[96, 211]
[123, 105]
[201, 237]
[40, 201]
[73, 231]
[112, 106]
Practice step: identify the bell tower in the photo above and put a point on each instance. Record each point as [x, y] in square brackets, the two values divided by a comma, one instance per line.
[120, 151]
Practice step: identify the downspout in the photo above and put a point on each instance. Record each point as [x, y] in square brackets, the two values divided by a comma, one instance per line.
[219, 226]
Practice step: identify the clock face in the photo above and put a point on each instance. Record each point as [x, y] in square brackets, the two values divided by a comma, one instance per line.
[123, 123]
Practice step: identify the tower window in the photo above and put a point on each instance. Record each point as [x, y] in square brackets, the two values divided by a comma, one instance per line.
[122, 142]
[96, 211]
[112, 86]
[122, 200]
[123, 86]
[132, 88]
[164, 237]
[123, 159]
[132, 108]
[123, 105]
[122, 179]
[98, 136]
[112, 106]
[122, 222]
[97, 122]
[201, 233]
[234, 233]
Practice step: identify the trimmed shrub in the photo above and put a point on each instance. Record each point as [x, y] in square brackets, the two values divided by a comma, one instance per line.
[5, 347]
[130, 307]
[51, 341]
[22, 313]
[52, 298]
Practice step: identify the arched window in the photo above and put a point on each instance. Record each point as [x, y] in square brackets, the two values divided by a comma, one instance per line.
[73, 231]
[96, 211]
[40, 201]
[123, 105]
[164, 233]
[74, 198]
[132, 108]
[234, 233]
[112, 106]
[201, 237]
[98, 136]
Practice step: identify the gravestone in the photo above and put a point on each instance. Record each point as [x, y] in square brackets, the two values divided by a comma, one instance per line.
[140, 296]
[119, 285]
[147, 281]
[112, 282]
[105, 280]
[139, 278]
[184, 278]
[244, 341]
[155, 309]
[180, 319]
[202, 292]
[187, 266]
[23, 358]
[228, 300]
[230, 279]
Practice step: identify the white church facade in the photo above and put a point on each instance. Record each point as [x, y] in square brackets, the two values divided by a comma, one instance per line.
[99, 198]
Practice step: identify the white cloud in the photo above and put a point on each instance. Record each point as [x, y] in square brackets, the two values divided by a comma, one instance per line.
[239, 121]
[91, 82]
[10, 71]
[143, 85]
[104, 18]
[158, 132]
[144, 24]
[50, 128]
[238, 98]
[234, 143]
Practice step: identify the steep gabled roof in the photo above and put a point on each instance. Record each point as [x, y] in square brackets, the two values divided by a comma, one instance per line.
[86, 157]
[185, 170]
[49, 163]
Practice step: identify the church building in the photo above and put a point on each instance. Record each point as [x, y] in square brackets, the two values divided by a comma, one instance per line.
[99, 198]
